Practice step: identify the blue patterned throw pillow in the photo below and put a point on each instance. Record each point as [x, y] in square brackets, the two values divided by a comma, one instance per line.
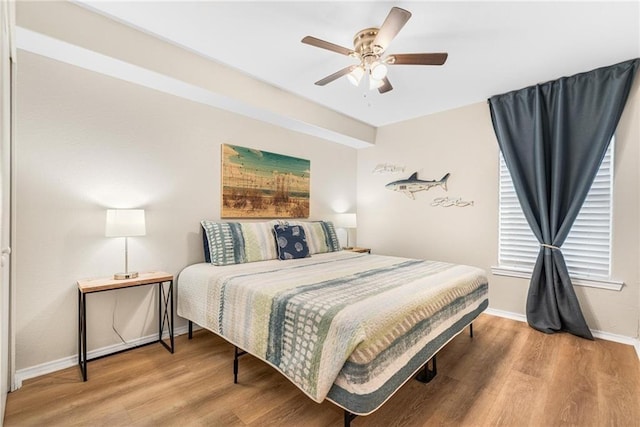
[227, 243]
[224, 243]
[292, 242]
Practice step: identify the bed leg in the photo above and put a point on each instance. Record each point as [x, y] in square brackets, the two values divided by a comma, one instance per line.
[426, 375]
[235, 365]
[236, 355]
[471, 330]
[348, 417]
[190, 329]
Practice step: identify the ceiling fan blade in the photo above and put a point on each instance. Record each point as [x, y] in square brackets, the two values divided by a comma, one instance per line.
[417, 58]
[327, 45]
[386, 86]
[336, 75]
[390, 28]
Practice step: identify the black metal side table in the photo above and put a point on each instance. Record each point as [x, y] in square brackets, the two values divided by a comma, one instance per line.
[165, 309]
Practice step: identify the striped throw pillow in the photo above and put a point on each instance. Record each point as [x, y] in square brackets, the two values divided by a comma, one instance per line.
[228, 243]
[321, 236]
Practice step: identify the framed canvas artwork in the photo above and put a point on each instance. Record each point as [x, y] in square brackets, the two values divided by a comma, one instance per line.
[260, 184]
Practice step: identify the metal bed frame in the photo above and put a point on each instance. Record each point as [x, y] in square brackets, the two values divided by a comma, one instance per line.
[425, 375]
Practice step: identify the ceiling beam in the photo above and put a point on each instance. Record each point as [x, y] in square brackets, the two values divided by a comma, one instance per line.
[86, 39]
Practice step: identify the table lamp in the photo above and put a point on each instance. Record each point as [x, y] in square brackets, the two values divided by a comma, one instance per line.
[125, 223]
[346, 221]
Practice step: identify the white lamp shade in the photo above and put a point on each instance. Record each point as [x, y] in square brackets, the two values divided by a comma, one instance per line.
[356, 75]
[378, 70]
[346, 220]
[125, 223]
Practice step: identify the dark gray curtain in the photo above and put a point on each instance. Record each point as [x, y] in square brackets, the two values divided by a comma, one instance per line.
[553, 137]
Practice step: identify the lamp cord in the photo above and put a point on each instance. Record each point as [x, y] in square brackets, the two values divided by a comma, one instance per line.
[113, 322]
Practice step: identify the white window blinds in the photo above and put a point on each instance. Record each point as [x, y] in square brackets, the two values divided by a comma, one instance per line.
[587, 249]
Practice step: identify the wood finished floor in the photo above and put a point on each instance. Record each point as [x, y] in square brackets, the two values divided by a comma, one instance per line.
[507, 375]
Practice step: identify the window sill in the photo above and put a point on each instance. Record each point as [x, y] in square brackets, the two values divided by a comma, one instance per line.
[611, 285]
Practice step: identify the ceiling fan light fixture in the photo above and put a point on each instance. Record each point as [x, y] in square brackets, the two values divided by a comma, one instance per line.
[369, 46]
[355, 76]
[378, 70]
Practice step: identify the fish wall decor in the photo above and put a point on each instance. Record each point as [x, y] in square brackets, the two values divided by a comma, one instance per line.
[446, 202]
[412, 185]
[387, 168]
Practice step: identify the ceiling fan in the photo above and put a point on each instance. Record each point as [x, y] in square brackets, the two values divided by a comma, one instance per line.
[369, 45]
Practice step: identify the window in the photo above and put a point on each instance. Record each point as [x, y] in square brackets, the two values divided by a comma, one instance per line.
[587, 249]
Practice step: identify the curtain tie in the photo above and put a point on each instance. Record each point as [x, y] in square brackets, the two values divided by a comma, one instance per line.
[544, 245]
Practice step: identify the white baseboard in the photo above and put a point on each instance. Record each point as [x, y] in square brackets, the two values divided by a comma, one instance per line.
[607, 336]
[67, 362]
[614, 337]
[506, 314]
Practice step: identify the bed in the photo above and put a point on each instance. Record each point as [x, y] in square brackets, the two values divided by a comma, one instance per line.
[348, 327]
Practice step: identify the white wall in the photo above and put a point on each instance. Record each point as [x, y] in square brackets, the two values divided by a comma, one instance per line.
[86, 142]
[463, 143]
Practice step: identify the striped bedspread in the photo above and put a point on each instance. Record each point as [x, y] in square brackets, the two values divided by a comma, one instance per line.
[344, 326]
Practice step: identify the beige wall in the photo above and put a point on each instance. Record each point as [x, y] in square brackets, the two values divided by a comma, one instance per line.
[86, 142]
[462, 142]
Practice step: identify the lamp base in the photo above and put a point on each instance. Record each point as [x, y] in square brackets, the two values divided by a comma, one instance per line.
[121, 276]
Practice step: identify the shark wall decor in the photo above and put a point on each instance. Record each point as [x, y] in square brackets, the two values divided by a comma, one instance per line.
[412, 185]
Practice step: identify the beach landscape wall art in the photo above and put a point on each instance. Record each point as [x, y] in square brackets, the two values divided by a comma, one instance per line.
[260, 184]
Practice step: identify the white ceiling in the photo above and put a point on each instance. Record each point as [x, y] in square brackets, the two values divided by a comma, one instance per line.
[493, 47]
